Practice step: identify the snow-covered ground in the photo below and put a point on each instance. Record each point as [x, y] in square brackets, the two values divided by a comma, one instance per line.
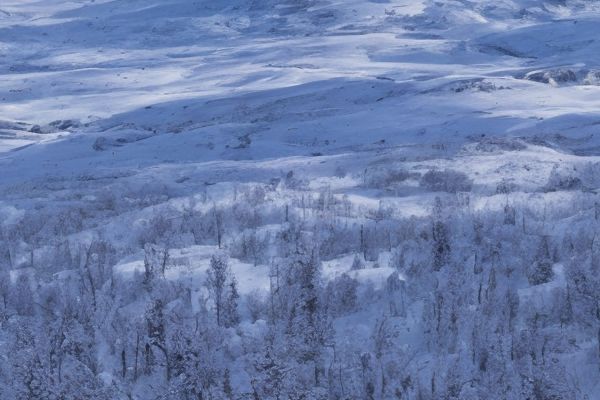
[114, 112]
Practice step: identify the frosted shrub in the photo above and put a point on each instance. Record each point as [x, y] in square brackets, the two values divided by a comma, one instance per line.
[256, 303]
[590, 175]
[448, 180]
[384, 177]
[357, 263]
[505, 186]
[562, 180]
[342, 294]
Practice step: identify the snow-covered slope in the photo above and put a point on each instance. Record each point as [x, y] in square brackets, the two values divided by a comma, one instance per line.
[207, 126]
[291, 75]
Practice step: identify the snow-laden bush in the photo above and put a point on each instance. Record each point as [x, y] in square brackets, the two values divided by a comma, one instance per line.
[381, 178]
[157, 229]
[505, 186]
[100, 144]
[341, 294]
[585, 177]
[589, 174]
[357, 263]
[340, 172]
[592, 78]
[563, 180]
[256, 303]
[448, 180]
[553, 77]
[498, 144]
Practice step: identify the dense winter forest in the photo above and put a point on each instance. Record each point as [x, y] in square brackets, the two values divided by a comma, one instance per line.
[298, 199]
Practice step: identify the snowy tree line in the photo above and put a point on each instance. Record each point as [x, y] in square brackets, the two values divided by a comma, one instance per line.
[475, 302]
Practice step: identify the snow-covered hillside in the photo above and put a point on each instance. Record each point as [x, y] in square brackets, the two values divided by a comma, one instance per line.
[299, 199]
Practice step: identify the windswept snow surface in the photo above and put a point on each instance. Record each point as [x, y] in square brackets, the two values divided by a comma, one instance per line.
[115, 111]
[293, 75]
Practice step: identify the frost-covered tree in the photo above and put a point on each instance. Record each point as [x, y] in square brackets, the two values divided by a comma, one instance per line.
[218, 281]
[440, 235]
[541, 270]
[23, 295]
[231, 316]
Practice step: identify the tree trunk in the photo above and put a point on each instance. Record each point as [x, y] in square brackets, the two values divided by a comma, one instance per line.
[123, 363]
[148, 351]
[137, 348]
[163, 349]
